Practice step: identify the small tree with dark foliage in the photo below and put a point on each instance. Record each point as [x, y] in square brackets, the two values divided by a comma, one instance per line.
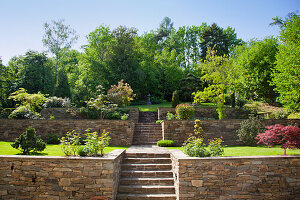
[29, 142]
[286, 136]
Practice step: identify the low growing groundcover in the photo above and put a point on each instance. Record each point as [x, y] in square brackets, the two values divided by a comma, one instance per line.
[253, 151]
[51, 150]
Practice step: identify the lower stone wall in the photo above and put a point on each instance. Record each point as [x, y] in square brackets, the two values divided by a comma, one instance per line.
[180, 130]
[121, 131]
[39, 177]
[264, 177]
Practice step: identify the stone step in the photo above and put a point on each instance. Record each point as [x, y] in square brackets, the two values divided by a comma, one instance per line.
[147, 181]
[147, 160]
[147, 155]
[144, 189]
[146, 174]
[150, 167]
[146, 197]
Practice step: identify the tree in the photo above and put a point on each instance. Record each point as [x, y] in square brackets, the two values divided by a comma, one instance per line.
[189, 85]
[253, 64]
[164, 30]
[62, 88]
[222, 41]
[286, 136]
[286, 74]
[58, 39]
[216, 71]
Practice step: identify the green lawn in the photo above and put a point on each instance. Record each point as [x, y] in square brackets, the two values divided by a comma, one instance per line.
[51, 150]
[154, 107]
[253, 151]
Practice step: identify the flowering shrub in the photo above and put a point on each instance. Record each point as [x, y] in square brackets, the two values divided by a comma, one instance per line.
[120, 94]
[23, 112]
[70, 143]
[57, 102]
[185, 111]
[286, 136]
[198, 128]
[95, 143]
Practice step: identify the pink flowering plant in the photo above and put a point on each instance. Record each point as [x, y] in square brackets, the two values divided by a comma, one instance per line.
[286, 136]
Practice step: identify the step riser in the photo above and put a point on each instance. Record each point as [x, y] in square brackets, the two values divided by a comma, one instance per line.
[149, 168]
[144, 198]
[147, 161]
[145, 174]
[147, 155]
[147, 190]
[147, 182]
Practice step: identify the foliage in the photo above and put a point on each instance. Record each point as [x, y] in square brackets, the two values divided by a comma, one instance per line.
[253, 64]
[124, 116]
[32, 101]
[166, 143]
[216, 71]
[249, 130]
[70, 143]
[120, 94]
[23, 112]
[29, 142]
[62, 87]
[198, 130]
[286, 136]
[286, 75]
[185, 111]
[195, 147]
[95, 143]
[189, 85]
[171, 116]
[81, 151]
[175, 99]
[57, 102]
[53, 138]
[89, 113]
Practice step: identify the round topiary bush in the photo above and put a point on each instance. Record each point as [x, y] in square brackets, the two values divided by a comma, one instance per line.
[185, 111]
[166, 143]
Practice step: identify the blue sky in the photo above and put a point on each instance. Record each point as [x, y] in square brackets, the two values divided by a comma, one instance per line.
[21, 24]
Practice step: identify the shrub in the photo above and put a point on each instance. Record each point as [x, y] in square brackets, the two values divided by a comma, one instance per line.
[170, 116]
[175, 99]
[95, 143]
[124, 116]
[89, 113]
[81, 151]
[120, 94]
[286, 136]
[185, 111]
[52, 138]
[195, 147]
[166, 143]
[198, 130]
[57, 102]
[221, 111]
[249, 130]
[70, 143]
[23, 112]
[29, 142]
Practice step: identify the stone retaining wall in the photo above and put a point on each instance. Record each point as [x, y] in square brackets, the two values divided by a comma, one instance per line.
[263, 177]
[180, 130]
[207, 113]
[121, 132]
[39, 177]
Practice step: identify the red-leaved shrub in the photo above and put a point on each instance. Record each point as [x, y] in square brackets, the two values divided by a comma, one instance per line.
[286, 136]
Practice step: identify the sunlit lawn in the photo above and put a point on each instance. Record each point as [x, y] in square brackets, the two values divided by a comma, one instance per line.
[51, 150]
[253, 151]
[154, 107]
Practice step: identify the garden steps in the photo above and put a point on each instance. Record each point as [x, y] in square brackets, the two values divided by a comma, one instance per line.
[148, 117]
[146, 176]
[147, 133]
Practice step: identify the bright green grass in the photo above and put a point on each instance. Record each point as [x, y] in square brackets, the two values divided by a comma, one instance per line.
[253, 151]
[154, 107]
[51, 150]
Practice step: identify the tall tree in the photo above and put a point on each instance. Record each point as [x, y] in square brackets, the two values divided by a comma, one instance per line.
[286, 76]
[164, 30]
[58, 39]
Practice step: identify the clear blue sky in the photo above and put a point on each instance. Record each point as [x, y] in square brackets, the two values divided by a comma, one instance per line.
[21, 24]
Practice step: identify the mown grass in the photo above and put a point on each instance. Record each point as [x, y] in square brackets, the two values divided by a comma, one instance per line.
[253, 151]
[154, 107]
[51, 150]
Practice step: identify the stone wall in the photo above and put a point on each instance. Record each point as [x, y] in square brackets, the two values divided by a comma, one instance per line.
[180, 130]
[263, 177]
[121, 132]
[39, 177]
[133, 114]
[207, 113]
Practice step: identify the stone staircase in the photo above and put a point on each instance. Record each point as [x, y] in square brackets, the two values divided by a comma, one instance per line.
[147, 133]
[148, 117]
[146, 176]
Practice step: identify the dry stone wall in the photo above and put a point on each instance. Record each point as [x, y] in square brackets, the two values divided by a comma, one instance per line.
[39, 177]
[180, 130]
[264, 177]
[121, 131]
